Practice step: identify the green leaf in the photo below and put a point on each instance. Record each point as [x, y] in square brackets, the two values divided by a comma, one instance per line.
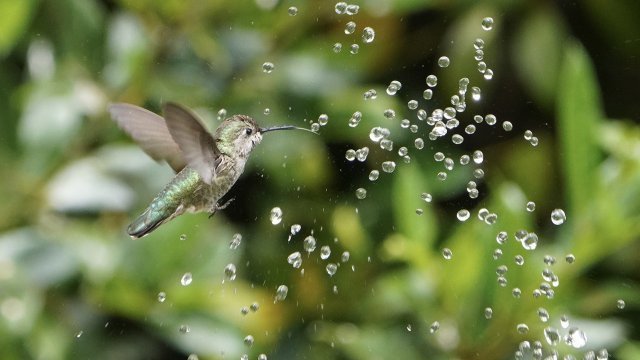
[14, 18]
[579, 112]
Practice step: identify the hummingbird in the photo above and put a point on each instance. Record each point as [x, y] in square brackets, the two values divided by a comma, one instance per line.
[206, 165]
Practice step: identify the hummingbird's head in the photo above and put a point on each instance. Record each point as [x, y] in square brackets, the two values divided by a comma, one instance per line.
[238, 135]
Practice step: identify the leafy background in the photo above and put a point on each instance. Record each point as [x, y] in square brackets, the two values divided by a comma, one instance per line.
[72, 285]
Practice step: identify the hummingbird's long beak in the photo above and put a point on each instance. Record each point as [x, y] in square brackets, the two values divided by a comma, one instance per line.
[283, 127]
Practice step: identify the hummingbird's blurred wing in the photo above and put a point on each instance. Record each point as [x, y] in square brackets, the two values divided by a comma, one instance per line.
[150, 132]
[197, 144]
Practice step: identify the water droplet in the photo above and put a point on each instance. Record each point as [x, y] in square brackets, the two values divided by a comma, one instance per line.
[516, 292]
[355, 119]
[549, 260]
[478, 173]
[418, 143]
[370, 94]
[530, 242]
[490, 119]
[362, 153]
[457, 139]
[337, 47]
[543, 314]
[361, 193]
[186, 279]
[373, 175]
[531, 206]
[222, 114]
[388, 166]
[519, 259]
[350, 28]
[281, 293]
[487, 23]
[488, 313]
[502, 281]
[409, 327]
[464, 159]
[442, 176]
[488, 74]
[230, 272]
[244, 310]
[235, 241]
[522, 328]
[497, 254]
[354, 48]
[435, 326]
[507, 126]
[183, 237]
[427, 94]
[470, 129]
[309, 244]
[341, 7]
[447, 254]
[419, 211]
[552, 336]
[534, 141]
[162, 296]
[315, 127]
[404, 123]
[558, 217]
[478, 55]
[368, 34]
[426, 197]
[352, 9]
[432, 80]
[276, 215]
[448, 164]
[323, 119]
[248, 340]
[443, 61]
[377, 133]
[295, 228]
[185, 329]
[576, 338]
[394, 87]
[421, 114]
[193, 357]
[262, 357]
[295, 259]
[502, 236]
[439, 129]
[389, 114]
[268, 67]
[293, 11]
[463, 215]
[350, 155]
[254, 307]
[413, 128]
[570, 258]
[345, 256]
[620, 304]
[331, 269]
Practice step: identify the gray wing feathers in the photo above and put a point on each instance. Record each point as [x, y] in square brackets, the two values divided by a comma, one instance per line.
[197, 145]
[150, 132]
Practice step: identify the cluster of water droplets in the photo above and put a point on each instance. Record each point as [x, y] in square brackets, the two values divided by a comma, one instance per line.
[351, 28]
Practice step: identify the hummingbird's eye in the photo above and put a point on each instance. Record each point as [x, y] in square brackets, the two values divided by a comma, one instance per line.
[248, 131]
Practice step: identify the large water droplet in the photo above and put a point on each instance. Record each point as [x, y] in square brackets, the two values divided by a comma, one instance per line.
[443, 61]
[388, 166]
[507, 126]
[186, 279]
[432, 81]
[373, 175]
[576, 338]
[530, 242]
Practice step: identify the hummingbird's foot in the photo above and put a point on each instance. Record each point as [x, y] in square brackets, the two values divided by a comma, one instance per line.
[217, 207]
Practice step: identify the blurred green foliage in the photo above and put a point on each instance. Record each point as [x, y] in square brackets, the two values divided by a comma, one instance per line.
[72, 285]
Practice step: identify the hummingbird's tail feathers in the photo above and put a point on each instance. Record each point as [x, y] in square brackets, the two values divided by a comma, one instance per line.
[146, 223]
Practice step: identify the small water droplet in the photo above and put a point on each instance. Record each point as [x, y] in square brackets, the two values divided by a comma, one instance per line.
[183, 237]
[576, 338]
[350, 28]
[352, 9]
[488, 74]
[295, 259]
[244, 310]
[620, 304]
[388, 166]
[354, 48]
[331, 269]
[487, 23]
[478, 157]
[337, 47]
[345, 256]
[409, 327]
[457, 139]
[162, 296]
[507, 126]
[222, 114]
[235, 241]
[230, 272]
[552, 336]
[488, 313]
[447, 253]
[79, 334]
[530, 242]
[443, 61]
[463, 215]
[281, 293]
[185, 329]
[293, 11]
[432, 81]
[350, 155]
[355, 119]
[570, 258]
[389, 114]
[442, 176]
[193, 357]
[470, 129]
[435, 326]
[558, 217]
[497, 254]
[309, 244]
[361, 193]
[248, 340]
[325, 252]
[519, 260]
[427, 94]
[295, 228]
[543, 314]
[426, 197]
[522, 328]
[394, 87]
[254, 307]
[186, 279]
[341, 7]
[276, 215]
[323, 119]
[373, 175]
[531, 206]
[268, 67]
[368, 35]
